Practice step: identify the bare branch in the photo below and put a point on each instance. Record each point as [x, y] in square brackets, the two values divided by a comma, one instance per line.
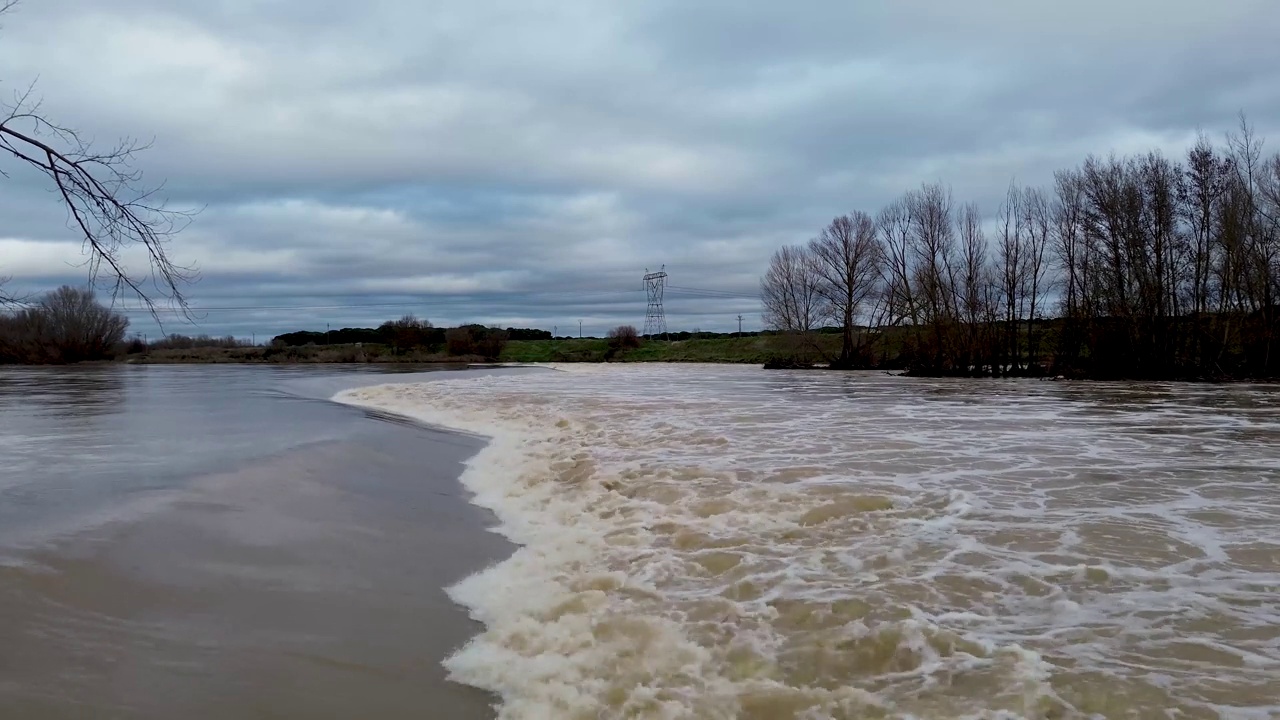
[107, 203]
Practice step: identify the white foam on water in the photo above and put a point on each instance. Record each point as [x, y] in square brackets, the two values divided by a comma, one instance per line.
[724, 542]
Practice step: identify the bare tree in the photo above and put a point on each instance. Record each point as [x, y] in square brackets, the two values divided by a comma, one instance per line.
[977, 302]
[109, 206]
[847, 260]
[897, 271]
[933, 234]
[1013, 267]
[791, 292]
[1268, 209]
[1269, 218]
[1261, 244]
[1068, 244]
[934, 243]
[794, 306]
[1206, 178]
[1036, 223]
[1071, 252]
[67, 325]
[1162, 255]
[81, 327]
[624, 337]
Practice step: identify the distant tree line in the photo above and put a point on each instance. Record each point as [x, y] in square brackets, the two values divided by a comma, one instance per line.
[66, 325]
[69, 325]
[410, 333]
[1127, 267]
[178, 341]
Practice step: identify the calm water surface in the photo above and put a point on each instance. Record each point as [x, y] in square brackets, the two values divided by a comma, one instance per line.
[223, 541]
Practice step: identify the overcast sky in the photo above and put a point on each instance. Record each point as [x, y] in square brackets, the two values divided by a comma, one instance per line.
[522, 163]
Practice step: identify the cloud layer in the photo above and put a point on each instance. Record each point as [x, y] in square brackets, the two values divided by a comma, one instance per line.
[523, 163]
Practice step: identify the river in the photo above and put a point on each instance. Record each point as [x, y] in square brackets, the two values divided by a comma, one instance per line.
[680, 542]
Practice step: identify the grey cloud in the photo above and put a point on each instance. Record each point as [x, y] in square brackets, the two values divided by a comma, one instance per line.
[506, 162]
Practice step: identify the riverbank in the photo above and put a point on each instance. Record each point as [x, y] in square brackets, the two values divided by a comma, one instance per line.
[319, 354]
[891, 350]
[749, 349]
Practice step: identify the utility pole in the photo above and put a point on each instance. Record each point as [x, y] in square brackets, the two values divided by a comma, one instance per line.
[326, 333]
[655, 318]
[739, 326]
[579, 329]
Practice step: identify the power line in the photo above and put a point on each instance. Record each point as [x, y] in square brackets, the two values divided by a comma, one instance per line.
[709, 296]
[426, 301]
[709, 292]
[443, 300]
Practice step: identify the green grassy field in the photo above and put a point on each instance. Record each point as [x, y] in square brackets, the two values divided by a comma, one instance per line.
[754, 349]
[750, 349]
[884, 350]
[347, 353]
[710, 350]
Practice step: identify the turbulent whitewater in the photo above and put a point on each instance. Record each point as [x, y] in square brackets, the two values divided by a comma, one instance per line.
[724, 542]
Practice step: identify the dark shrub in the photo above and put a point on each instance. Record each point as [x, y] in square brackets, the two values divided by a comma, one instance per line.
[491, 342]
[459, 341]
[66, 325]
[624, 337]
[407, 333]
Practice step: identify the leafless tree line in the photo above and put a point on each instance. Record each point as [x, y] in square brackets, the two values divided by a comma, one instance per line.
[1140, 266]
[67, 325]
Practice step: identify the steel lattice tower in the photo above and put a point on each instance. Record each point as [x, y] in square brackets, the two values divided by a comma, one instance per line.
[655, 318]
